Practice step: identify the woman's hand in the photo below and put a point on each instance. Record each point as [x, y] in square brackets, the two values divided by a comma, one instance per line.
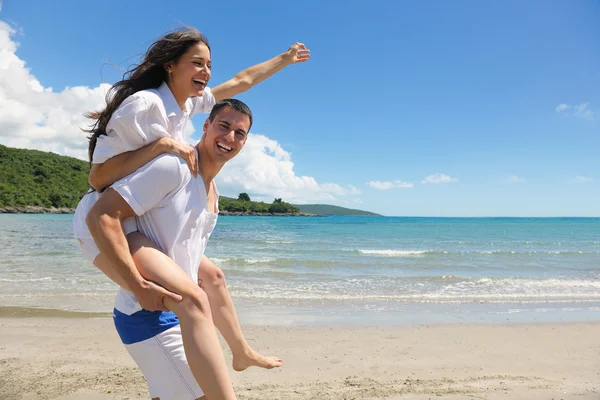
[297, 53]
[187, 152]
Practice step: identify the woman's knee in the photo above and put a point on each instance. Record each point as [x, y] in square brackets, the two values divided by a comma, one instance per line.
[211, 275]
[194, 303]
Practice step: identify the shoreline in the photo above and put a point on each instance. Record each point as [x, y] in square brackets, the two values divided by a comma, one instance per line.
[25, 313]
[66, 210]
[290, 317]
[36, 210]
[255, 214]
[35, 312]
[66, 358]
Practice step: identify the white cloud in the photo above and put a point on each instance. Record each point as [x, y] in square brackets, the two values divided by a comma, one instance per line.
[265, 170]
[35, 117]
[515, 179]
[580, 110]
[562, 107]
[438, 178]
[582, 179]
[390, 185]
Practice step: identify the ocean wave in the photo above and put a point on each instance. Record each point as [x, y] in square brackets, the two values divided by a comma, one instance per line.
[409, 253]
[442, 289]
[537, 283]
[44, 279]
[419, 298]
[395, 253]
[240, 260]
[263, 260]
[219, 260]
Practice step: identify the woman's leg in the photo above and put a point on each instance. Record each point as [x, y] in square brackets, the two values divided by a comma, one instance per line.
[222, 308]
[107, 269]
[200, 340]
[225, 319]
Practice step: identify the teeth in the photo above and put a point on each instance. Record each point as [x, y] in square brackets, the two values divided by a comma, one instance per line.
[199, 81]
[223, 147]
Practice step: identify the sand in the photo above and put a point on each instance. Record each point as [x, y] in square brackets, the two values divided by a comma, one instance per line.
[82, 358]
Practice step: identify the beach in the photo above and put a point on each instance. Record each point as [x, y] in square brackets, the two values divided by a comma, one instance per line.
[78, 357]
[357, 307]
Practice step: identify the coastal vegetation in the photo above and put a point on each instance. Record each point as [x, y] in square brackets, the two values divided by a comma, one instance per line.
[37, 181]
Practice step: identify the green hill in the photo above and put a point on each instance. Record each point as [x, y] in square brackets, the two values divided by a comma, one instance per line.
[326, 209]
[38, 178]
[42, 179]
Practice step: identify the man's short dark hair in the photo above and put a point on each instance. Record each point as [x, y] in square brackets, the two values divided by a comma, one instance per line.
[236, 104]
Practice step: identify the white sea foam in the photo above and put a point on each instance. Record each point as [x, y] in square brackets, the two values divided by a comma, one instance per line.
[394, 253]
[263, 260]
[44, 279]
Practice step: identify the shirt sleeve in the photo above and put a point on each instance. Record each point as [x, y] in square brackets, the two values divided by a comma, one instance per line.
[134, 124]
[154, 183]
[203, 104]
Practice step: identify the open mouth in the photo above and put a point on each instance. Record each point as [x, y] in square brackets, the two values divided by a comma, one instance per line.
[199, 82]
[224, 147]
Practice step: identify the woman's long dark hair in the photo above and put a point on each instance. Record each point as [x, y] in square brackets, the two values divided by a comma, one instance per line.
[149, 74]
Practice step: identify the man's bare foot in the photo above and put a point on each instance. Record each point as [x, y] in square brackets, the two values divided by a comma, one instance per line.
[254, 359]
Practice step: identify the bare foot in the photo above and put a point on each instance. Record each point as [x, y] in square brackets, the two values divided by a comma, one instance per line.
[254, 359]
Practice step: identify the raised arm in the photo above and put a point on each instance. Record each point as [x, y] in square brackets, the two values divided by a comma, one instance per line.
[252, 76]
[117, 167]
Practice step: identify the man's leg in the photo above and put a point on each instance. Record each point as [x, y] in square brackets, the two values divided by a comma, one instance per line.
[225, 319]
[104, 265]
[223, 311]
[200, 341]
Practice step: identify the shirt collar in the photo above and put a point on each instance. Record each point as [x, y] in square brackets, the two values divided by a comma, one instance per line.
[171, 106]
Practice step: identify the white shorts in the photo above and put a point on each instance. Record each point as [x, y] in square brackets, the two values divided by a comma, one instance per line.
[80, 228]
[164, 365]
[88, 246]
[89, 249]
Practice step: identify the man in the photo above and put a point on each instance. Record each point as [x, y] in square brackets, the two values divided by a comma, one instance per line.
[177, 212]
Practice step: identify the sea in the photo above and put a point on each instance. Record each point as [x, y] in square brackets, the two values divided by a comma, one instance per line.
[361, 271]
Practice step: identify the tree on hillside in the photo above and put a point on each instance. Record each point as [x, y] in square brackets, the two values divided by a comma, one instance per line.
[281, 207]
[244, 197]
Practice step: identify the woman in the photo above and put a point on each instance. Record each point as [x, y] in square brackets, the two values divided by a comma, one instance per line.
[145, 116]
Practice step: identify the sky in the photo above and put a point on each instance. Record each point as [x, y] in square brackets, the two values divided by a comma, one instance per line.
[406, 108]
